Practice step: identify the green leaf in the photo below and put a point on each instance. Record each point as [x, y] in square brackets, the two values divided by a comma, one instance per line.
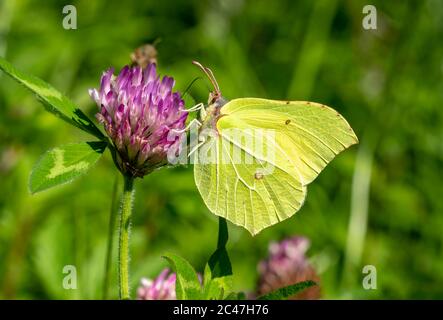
[211, 289]
[215, 288]
[187, 285]
[236, 296]
[289, 291]
[64, 164]
[53, 100]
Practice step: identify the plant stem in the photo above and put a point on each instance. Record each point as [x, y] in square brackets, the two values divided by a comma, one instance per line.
[222, 233]
[125, 225]
[110, 245]
[219, 261]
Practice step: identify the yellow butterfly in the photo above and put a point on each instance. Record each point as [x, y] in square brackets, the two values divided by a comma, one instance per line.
[257, 156]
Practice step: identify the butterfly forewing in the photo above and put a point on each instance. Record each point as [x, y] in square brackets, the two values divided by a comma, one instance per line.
[311, 134]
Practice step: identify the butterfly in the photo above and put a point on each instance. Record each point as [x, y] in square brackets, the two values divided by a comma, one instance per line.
[256, 157]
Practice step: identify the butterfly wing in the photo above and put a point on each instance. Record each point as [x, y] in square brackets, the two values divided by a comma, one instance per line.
[240, 191]
[310, 134]
[254, 170]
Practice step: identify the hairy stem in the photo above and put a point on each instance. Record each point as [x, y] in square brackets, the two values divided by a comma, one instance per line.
[125, 225]
[110, 244]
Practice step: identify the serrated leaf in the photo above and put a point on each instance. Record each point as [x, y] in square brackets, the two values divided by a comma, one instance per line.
[53, 100]
[215, 288]
[64, 164]
[187, 285]
[207, 276]
[289, 291]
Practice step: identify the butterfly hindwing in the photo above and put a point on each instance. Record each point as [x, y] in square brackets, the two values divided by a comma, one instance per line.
[242, 192]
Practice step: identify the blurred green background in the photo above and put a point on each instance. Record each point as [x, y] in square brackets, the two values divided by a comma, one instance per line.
[379, 203]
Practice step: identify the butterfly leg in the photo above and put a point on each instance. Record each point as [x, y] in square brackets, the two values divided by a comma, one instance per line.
[195, 108]
[191, 124]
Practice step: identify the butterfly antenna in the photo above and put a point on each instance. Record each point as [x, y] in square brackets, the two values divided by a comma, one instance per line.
[214, 82]
[210, 76]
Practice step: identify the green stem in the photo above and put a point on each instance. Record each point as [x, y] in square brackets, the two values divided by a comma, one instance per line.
[222, 233]
[110, 245]
[219, 262]
[125, 224]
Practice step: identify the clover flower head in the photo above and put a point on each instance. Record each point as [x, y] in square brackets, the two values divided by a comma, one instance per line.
[286, 265]
[142, 116]
[161, 288]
